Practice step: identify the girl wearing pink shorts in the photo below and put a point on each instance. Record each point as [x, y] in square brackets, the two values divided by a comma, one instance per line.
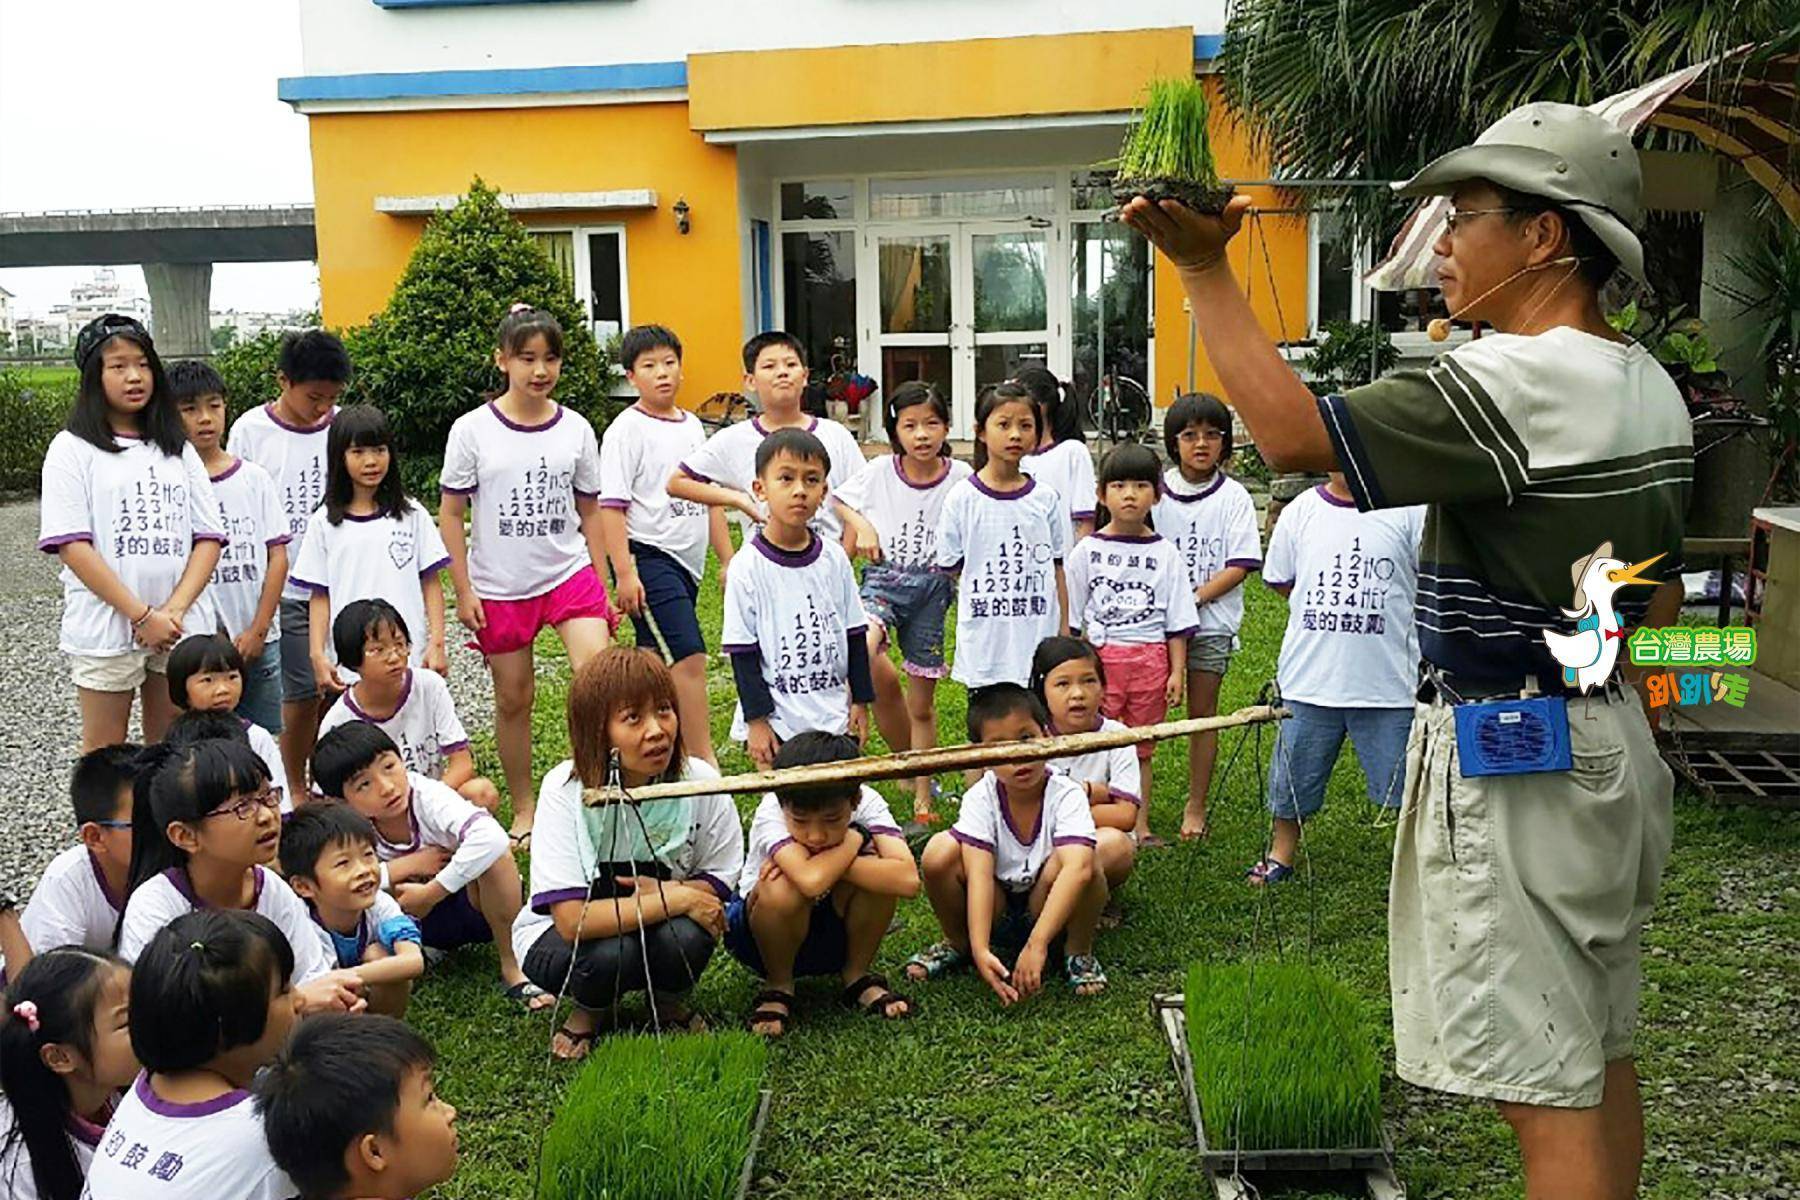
[1129, 595]
[532, 470]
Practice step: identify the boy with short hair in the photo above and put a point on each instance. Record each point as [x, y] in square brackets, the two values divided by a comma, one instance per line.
[826, 867]
[350, 1111]
[252, 570]
[996, 889]
[78, 900]
[286, 438]
[414, 708]
[328, 855]
[794, 624]
[445, 860]
[656, 542]
[721, 472]
[1349, 661]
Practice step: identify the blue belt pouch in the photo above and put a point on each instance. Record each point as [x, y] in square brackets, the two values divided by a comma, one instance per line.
[1512, 737]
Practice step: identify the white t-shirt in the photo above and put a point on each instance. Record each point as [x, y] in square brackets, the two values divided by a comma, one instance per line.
[269, 750]
[71, 905]
[1006, 546]
[425, 726]
[1129, 591]
[729, 459]
[142, 510]
[904, 513]
[524, 480]
[713, 852]
[162, 898]
[1214, 528]
[1069, 468]
[1351, 641]
[799, 608]
[295, 458]
[154, 1149]
[437, 815]
[1019, 855]
[769, 831]
[16, 1180]
[1116, 768]
[638, 454]
[382, 910]
[369, 558]
[253, 522]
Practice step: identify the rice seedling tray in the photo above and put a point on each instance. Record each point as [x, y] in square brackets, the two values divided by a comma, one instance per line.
[1226, 1166]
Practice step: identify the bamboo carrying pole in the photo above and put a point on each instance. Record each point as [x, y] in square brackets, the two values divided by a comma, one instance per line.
[909, 763]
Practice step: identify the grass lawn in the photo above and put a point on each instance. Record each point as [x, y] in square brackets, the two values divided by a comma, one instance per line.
[40, 375]
[1077, 1097]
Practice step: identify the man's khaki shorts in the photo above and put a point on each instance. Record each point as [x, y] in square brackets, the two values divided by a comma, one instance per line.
[1516, 906]
[117, 672]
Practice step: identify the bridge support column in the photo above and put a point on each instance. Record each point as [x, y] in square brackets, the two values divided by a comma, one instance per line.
[180, 300]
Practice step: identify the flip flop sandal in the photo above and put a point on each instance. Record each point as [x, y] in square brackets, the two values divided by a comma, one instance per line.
[1111, 917]
[939, 959]
[1084, 971]
[766, 1014]
[579, 1044]
[523, 993]
[1151, 841]
[520, 842]
[877, 1004]
[1269, 870]
[681, 1019]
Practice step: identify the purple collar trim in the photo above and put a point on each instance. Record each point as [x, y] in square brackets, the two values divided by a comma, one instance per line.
[85, 1131]
[1332, 500]
[168, 1108]
[680, 418]
[412, 823]
[374, 516]
[228, 472]
[130, 437]
[1218, 481]
[1006, 815]
[406, 683]
[811, 426]
[319, 428]
[1142, 539]
[985, 490]
[494, 407]
[178, 877]
[790, 558]
[900, 470]
[105, 887]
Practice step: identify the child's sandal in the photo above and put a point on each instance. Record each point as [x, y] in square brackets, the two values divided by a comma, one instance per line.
[876, 1005]
[937, 960]
[1269, 870]
[766, 1014]
[1084, 972]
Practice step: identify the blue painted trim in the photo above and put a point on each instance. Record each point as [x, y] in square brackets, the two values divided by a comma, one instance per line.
[766, 299]
[1207, 45]
[610, 77]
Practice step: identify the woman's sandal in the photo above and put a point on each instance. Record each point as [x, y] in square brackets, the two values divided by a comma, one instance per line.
[936, 960]
[680, 1018]
[524, 992]
[1084, 972]
[579, 1043]
[876, 1005]
[1269, 870]
[520, 842]
[766, 1014]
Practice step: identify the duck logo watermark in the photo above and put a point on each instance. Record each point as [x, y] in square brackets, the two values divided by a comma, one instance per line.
[1589, 654]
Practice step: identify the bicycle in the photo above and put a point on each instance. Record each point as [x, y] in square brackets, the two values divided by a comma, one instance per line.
[1119, 408]
[723, 408]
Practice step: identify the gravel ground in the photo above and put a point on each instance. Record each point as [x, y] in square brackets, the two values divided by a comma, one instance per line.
[40, 725]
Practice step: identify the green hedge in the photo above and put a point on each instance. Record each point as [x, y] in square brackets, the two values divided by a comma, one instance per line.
[31, 413]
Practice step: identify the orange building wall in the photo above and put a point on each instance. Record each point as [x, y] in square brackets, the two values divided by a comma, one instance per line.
[690, 283]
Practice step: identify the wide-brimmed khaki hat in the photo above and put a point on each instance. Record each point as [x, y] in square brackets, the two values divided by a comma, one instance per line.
[1563, 153]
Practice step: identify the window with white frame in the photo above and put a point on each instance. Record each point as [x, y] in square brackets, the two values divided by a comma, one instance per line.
[592, 259]
[1336, 265]
[818, 267]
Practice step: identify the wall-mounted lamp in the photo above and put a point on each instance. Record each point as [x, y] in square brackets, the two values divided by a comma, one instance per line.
[681, 211]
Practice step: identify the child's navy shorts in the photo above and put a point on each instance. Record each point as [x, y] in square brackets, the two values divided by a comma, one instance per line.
[670, 594]
[911, 604]
[455, 922]
[824, 952]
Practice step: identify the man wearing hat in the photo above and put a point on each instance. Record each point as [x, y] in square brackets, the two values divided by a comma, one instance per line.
[1517, 901]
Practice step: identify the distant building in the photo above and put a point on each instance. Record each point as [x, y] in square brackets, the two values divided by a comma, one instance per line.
[6, 316]
[100, 295]
[250, 323]
[39, 337]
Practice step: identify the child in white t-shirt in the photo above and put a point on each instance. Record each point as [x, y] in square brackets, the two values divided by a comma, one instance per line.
[1349, 658]
[288, 438]
[721, 472]
[128, 508]
[79, 897]
[1006, 535]
[206, 674]
[1016, 873]
[1068, 678]
[1129, 594]
[657, 543]
[186, 1130]
[825, 870]
[794, 625]
[1212, 520]
[470, 896]
[414, 708]
[1061, 459]
[65, 1040]
[328, 855]
[530, 470]
[906, 597]
[370, 538]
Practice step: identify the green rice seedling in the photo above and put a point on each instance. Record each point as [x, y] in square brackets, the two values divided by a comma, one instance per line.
[1168, 150]
[1283, 1059]
[644, 1121]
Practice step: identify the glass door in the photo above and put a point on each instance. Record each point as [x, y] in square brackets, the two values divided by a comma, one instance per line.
[1003, 310]
[916, 335]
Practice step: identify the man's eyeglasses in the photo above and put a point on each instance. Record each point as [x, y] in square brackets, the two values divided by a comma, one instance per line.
[1456, 217]
[245, 809]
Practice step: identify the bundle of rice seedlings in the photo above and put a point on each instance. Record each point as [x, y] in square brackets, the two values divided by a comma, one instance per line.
[1167, 153]
[649, 1122]
[1307, 1079]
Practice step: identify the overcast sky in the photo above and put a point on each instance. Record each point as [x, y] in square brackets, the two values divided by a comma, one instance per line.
[108, 104]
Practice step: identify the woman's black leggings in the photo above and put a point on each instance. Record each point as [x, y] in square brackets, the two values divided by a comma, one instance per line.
[607, 968]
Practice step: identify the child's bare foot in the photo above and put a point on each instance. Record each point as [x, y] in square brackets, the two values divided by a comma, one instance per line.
[773, 1012]
[1196, 826]
[871, 994]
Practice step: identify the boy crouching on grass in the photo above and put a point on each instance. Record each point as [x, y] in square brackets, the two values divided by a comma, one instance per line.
[826, 867]
[1016, 874]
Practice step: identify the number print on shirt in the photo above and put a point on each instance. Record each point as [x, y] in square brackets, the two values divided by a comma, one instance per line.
[1350, 595]
[538, 505]
[241, 561]
[1015, 582]
[150, 519]
[303, 493]
[806, 656]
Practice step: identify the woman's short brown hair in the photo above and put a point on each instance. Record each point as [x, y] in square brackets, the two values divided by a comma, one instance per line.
[617, 677]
